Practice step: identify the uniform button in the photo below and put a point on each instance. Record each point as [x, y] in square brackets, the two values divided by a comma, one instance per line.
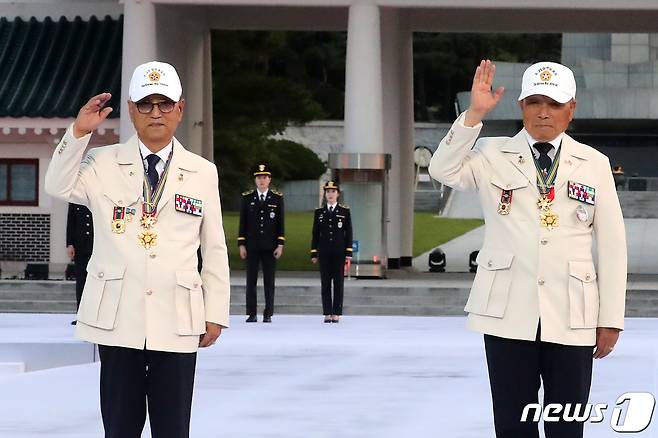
[101, 275]
[261, 231]
[120, 202]
[540, 282]
[87, 233]
[489, 264]
[87, 216]
[88, 225]
[152, 255]
[196, 285]
[508, 186]
[261, 211]
[149, 292]
[588, 277]
[544, 241]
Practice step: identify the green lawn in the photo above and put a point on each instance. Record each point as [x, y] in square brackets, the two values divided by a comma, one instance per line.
[429, 231]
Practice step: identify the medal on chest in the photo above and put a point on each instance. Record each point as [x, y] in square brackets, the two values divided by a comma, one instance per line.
[152, 195]
[505, 204]
[545, 183]
[118, 220]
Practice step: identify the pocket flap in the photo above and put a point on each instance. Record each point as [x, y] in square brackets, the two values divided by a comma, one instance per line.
[188, 279]
[122, 199]
[508, 183]
[583, 271]
[105, 271]
[494, 260]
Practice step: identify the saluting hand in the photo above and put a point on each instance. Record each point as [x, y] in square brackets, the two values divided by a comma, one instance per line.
[483, 98]
[91, 115]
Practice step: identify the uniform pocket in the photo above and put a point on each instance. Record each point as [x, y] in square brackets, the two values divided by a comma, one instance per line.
[190, 311]
[101, 296]
[490, 291]
[583, 295]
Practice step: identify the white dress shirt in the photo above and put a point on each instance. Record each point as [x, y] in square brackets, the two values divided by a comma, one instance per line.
[162, 153]
[555, 142]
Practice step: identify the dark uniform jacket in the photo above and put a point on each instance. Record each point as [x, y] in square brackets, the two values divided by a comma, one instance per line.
[80, 230]
[261, 223]
[332, 232]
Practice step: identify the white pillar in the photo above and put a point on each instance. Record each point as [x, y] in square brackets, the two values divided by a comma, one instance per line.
[363, 80]
[139, 46]
[390, 36]
[194, 89]
[397, 71]
[407, 143]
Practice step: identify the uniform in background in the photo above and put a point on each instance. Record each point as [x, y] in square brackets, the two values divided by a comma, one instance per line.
[80, 235]
[261, 231]
[331, 245]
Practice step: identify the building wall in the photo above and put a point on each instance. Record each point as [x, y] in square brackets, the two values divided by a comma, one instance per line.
[40, 230]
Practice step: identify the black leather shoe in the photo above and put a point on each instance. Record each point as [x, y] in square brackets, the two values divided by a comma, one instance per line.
[74, 322]
[335, 321]
[327, 320]
[267, 319]
[252, 319]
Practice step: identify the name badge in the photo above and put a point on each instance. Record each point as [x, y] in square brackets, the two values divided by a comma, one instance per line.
[188, 205]
[581, 192]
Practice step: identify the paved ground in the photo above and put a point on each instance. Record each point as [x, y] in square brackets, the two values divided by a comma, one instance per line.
[366, 377]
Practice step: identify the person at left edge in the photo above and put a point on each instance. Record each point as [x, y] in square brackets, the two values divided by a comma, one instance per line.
[261, 239]
[79, 244]
[145, 304]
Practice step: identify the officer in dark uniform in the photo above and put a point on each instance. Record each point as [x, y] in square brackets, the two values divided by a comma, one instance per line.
[332, 245]
[261, 238]
[79, 244]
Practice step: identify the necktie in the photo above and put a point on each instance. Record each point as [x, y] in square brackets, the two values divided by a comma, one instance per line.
[151, 172]
[262, 197]
[544, 160]
[331, 209]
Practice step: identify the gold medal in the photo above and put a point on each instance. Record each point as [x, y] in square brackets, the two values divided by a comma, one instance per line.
[549, 219]
[504, 208]
[147, 239]
[544, 203]
[148, 221]
[118, 226]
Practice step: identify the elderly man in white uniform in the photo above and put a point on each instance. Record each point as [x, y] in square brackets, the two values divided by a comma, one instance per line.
[545, 307]
[144, 303]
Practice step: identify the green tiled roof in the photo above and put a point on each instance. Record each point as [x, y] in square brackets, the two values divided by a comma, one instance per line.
[50, 69]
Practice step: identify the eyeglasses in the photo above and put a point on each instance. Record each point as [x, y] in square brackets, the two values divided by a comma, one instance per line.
[146, 107]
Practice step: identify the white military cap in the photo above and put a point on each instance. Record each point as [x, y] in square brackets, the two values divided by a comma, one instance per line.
[549, 79]
[155, 78]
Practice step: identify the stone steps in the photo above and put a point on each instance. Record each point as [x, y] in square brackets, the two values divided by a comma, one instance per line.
[361, 298]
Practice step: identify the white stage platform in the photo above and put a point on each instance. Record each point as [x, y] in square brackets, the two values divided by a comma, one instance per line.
[365, 377]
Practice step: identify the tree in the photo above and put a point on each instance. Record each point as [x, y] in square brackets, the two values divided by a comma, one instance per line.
[253, 100]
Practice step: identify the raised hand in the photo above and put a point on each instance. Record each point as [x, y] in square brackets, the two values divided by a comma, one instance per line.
[91, 115]
[483, 98]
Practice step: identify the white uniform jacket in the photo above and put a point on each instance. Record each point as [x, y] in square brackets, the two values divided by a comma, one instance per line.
[136, 297]
[526, 272]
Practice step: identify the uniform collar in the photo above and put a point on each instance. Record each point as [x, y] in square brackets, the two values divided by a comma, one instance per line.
[258, 193]
[531, 141]
[163, 153]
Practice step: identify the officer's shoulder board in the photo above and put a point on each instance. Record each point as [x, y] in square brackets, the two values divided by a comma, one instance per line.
[277, 193]
[344, 206]
[248, 192]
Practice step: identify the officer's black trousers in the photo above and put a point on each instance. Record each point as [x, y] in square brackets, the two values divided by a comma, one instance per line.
[516, 369]
[80, 262]
[133, 379]
[331, 271]
[256, 257]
